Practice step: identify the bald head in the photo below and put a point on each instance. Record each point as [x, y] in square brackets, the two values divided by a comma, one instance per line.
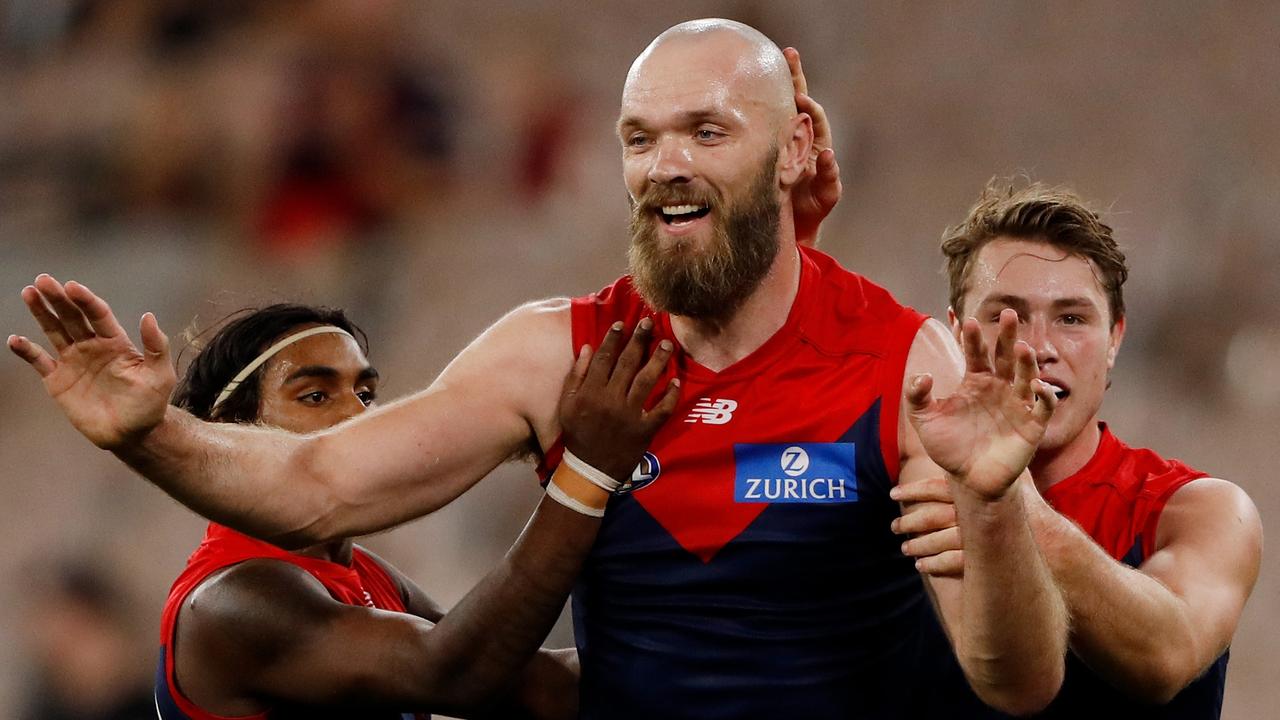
[732, 58]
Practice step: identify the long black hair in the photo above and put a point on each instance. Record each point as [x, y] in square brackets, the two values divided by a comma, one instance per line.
[242, 337]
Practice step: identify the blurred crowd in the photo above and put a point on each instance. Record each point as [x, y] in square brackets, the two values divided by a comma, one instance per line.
[428, 165]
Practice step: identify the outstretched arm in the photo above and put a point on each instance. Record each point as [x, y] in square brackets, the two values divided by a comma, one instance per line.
[273, 634]
[388, 466]
[1005, 617]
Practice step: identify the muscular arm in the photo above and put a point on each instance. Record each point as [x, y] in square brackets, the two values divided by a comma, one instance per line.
[267, 632]
[386, 467]
[1005, 617]
[1153, 630]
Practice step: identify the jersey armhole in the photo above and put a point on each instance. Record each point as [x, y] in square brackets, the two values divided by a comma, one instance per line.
[1157, 501]
[900, 338]
[582, 321]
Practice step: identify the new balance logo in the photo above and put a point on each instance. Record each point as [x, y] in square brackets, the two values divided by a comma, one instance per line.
[712, 412]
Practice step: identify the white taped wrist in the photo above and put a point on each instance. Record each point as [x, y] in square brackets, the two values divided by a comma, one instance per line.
[560, 496]
[597, 477]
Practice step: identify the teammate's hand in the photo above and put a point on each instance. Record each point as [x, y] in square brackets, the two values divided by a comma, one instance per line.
[929, 517]
[818, 189]
[985, 434]
[602, 408]
[111, 392]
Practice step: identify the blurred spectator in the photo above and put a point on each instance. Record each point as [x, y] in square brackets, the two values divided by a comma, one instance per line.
[85, 652]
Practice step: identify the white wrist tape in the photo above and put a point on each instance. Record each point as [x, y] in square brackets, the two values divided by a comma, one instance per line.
[555, 493]
[597, 477]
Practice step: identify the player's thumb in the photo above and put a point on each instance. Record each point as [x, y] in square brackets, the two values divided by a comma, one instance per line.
[919, 393]
[155, 344]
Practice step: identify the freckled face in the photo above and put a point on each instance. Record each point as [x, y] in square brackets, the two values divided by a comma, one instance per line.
[1062, 313]
[316, 383]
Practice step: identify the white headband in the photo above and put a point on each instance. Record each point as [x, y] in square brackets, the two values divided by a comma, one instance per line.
[267, 355]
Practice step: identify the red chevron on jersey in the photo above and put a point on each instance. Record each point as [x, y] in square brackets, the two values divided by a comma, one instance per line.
[842, 349]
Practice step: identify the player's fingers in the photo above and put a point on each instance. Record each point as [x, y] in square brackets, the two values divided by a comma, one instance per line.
[662, 411]
[932, 543]
[1046, 402]
[947, 564]
[605, 356]
[48, 322]
[1005, 338]
[1025, 371]
[977, 357]
[925, 518]
[577, 373]
[797, 71]
[95, 309]
[33, 354]
[632, 356]
[73, 322]
[827, 186]
[919, 392]
[155, 344]
[930, 490]
[649, 375]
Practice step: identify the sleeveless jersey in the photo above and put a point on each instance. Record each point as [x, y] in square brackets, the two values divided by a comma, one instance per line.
[364, 583]
[1117, 498]
[748, 569]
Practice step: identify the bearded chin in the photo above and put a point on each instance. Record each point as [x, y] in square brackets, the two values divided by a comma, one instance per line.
[711, 283]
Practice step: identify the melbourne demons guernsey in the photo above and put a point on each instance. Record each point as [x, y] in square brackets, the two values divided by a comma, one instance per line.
[364, 582]
[748, 569]
[1117, 498]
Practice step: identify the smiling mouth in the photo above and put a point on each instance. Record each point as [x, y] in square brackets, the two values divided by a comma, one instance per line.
[682, 214]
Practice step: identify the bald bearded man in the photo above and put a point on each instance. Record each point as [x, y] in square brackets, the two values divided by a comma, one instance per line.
[747, 568]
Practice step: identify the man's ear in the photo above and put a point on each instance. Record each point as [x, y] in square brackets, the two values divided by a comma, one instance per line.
[793, 151]
[1117, 336]
[954, 321]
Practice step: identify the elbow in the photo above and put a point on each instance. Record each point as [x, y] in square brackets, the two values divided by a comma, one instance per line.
[1162, 677]
[1025, 695]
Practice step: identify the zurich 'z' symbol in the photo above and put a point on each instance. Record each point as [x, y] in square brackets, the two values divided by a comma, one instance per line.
[644, 474]
[821, 473]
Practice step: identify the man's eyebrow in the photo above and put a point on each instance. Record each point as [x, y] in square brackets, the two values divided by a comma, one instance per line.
[1012, 301]
[688, 117]
[369, 373]
[1080, 301]
[311, 371]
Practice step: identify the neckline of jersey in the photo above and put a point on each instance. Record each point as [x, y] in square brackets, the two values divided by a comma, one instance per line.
[760, 358]
[1104, 459]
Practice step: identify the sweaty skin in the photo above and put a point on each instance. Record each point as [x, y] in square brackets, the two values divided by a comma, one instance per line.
[1151, 630]
[700, 107]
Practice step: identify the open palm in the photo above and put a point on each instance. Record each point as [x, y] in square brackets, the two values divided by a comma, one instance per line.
[986, 432]
[108, 389]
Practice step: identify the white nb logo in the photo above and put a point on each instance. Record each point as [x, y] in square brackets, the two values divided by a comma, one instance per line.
[795, 461]
[712, 412]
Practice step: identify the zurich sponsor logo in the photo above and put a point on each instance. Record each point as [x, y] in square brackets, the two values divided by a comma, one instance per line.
[644, 474]
[794, 473]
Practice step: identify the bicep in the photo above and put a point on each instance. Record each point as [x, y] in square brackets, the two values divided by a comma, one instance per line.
[1208, 550]
[416, 455]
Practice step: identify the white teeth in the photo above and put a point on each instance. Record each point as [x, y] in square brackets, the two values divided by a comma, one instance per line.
[1053, 388]
[680, 209]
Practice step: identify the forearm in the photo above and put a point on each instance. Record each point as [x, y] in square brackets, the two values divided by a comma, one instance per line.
[1013, 622]
[478, 648]
[1126, 625]
[247, 477]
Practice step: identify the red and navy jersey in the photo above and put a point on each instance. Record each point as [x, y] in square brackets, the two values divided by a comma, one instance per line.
[1117, 498]
[748, 568]
[365, 583]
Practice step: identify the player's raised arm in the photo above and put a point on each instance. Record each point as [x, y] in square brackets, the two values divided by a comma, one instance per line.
[1005, 617]
[388, 466]
[325, 653]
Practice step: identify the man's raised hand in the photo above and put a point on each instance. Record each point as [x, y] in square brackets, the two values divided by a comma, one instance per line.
[602, 408]
[985, 434]
[110, 391]
[819, 189]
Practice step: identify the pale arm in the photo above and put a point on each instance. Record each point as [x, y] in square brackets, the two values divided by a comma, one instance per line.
[1153, 630]
[1005, 617]
[383, 468]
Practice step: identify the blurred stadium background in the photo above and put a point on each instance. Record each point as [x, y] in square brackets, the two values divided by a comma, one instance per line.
[429, 165]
